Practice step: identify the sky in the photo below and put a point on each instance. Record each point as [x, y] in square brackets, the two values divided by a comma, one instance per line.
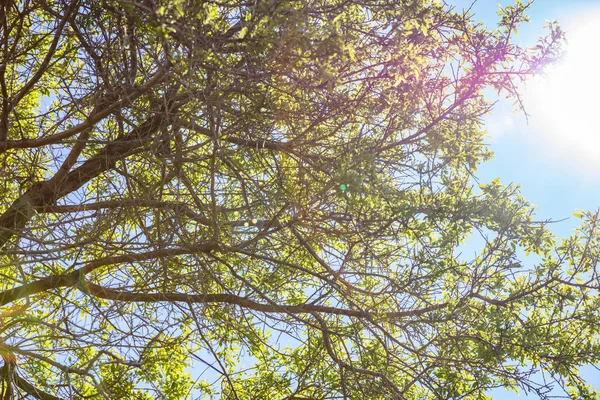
[554, 155]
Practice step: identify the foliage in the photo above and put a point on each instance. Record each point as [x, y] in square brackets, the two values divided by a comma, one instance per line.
[270, 199]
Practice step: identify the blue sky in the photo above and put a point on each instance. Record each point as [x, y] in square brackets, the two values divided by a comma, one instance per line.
[555, 156]
[552, 175]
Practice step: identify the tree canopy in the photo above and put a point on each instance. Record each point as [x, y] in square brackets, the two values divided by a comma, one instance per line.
[272, 199]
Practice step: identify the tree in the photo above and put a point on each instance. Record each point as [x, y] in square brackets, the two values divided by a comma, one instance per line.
[269, 199]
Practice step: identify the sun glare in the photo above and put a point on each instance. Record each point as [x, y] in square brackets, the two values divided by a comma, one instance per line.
[565, 102]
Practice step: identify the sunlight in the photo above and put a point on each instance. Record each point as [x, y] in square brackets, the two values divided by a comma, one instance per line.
[565, 101]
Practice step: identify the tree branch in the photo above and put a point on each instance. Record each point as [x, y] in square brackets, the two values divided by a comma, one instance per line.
[45, 193]
[109, 106]
[75, 277]
[244, 302]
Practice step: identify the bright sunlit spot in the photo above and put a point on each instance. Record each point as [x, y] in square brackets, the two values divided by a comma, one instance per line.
[565, 102]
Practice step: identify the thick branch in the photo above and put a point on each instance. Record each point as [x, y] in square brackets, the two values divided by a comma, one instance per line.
[48, 192]
[74, 278]
[119, 295]
[33, 391]
[109, 107]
